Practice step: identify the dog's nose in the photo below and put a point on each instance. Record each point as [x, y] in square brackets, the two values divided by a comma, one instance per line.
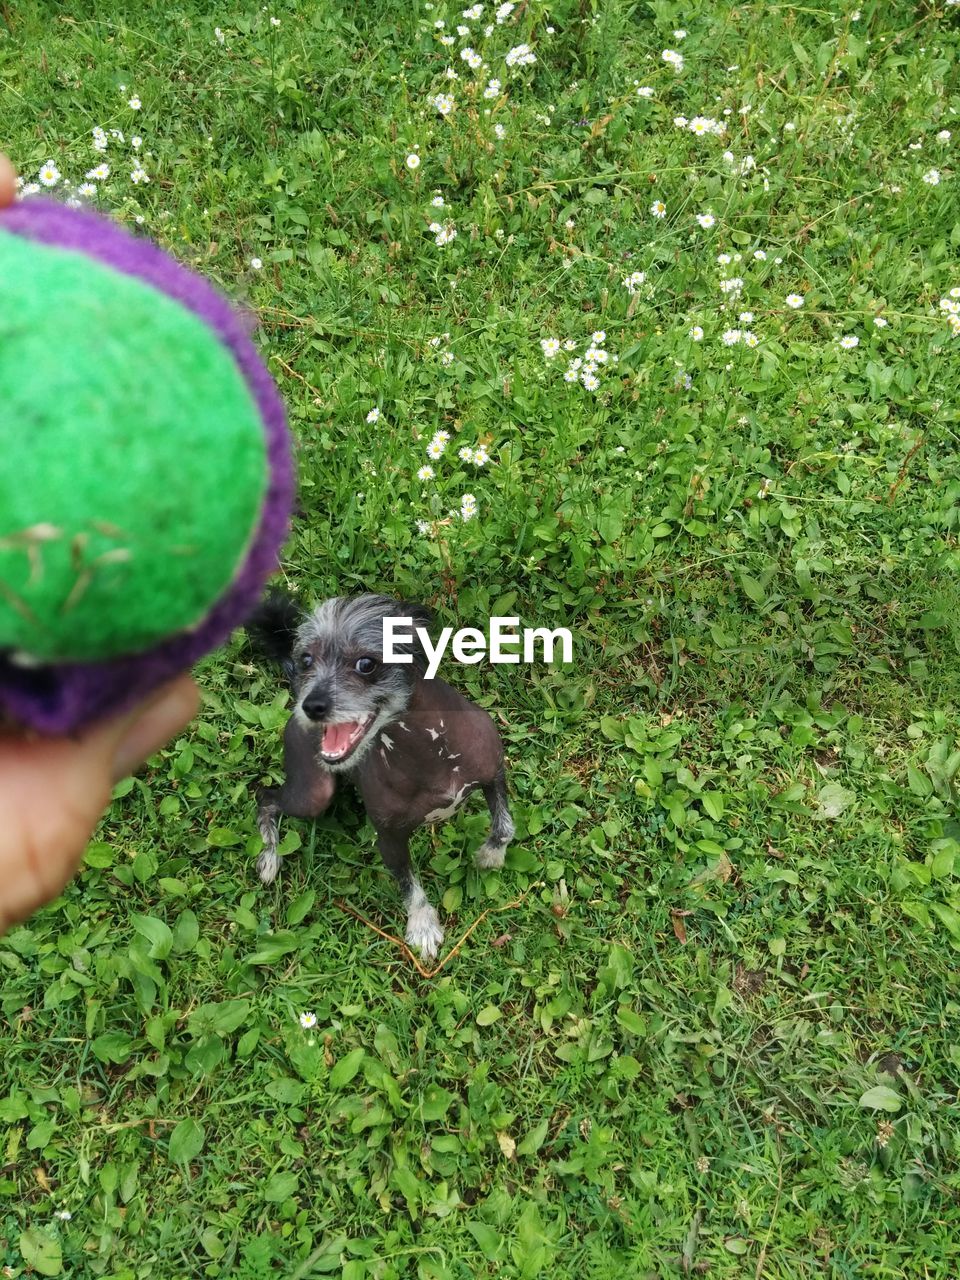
[316, 705]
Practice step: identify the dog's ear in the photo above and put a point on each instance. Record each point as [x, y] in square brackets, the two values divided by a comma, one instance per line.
[272, 627]
[421, 616]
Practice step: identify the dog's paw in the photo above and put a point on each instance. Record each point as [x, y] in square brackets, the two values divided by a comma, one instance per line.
[268, 864]
[424, 932]
[489, 857]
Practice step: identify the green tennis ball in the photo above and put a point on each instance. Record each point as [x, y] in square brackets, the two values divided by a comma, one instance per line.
[146, 470]
[112, 491]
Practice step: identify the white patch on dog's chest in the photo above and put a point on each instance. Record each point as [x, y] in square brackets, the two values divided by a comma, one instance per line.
[439, 815]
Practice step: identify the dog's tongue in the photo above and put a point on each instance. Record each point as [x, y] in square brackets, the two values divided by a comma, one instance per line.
[337, 737]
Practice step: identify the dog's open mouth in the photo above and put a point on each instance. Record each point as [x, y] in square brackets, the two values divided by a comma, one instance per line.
[341, 740]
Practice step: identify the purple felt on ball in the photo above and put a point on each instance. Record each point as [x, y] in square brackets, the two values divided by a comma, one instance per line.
[64, 697]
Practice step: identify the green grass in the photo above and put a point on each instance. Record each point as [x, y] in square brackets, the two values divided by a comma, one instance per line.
[719, 1033]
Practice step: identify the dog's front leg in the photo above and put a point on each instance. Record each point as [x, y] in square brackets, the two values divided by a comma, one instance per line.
[306, 792]
[423, 924]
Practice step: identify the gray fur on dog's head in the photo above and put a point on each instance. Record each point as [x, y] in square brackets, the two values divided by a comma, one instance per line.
[338, 668]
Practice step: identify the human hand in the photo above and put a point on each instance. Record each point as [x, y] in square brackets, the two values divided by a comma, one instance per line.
[8, 182]
[53, 792]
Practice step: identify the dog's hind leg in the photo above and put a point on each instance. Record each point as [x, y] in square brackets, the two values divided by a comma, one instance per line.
[423, 924]
[307, 791]
[491, 853]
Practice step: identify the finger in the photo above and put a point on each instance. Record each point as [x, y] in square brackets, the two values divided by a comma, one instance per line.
[159, 721]
[54, 791]
[8, 181]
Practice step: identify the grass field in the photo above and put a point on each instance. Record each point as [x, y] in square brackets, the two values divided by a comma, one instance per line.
[710, 1023]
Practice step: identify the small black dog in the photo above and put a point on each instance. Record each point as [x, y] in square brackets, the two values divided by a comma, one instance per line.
[414, 747]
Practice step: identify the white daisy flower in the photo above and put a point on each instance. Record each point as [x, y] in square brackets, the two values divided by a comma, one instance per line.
[550, 347]
[49, 174]
[931, 178]
[658, 209]
[849, 341]
[696, 333]
[413, 161]
[465, 454]
[373, 416]
[794, 300]
[426, 472]
[706, 220]
[520, 55]
[134, 103]
[308, 1021]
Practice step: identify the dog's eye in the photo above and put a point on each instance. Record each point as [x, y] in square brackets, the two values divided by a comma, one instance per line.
[365, 666]
[305, 660]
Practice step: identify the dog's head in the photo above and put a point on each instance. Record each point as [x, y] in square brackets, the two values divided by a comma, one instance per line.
[342, 684]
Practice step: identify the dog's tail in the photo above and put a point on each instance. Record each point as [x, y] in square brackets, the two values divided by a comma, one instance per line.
[273, 625]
